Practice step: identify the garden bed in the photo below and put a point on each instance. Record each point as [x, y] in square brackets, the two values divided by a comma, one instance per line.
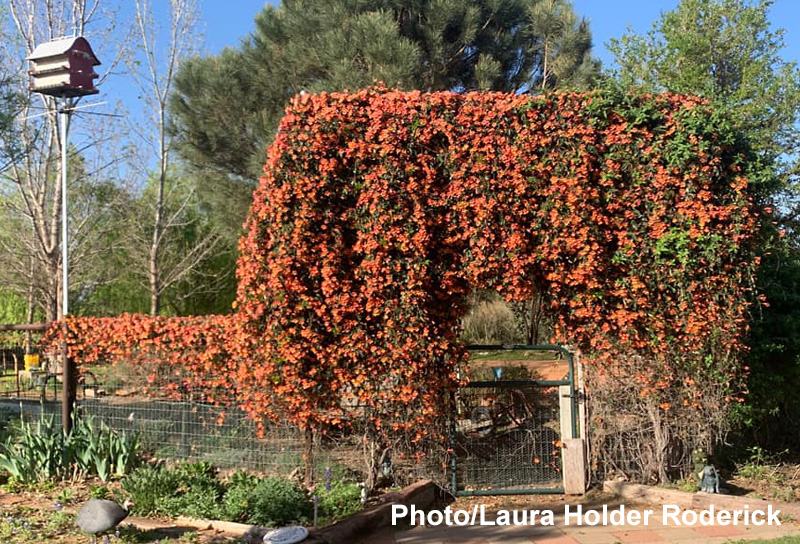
[28, 517]
[772, 482]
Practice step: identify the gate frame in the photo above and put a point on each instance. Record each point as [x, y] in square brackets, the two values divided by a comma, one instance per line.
[568, 381]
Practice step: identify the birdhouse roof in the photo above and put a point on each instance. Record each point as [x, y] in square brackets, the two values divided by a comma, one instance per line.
[61, 46]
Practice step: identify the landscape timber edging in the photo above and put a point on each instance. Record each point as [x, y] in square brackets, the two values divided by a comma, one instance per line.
[688, 500]
[422, 495]
[239, 529]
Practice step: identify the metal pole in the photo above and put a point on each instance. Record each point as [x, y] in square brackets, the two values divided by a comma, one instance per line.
[67, 367]
[64, 118]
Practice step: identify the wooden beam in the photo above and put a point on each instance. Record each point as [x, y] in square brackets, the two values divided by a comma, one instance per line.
[33, 327]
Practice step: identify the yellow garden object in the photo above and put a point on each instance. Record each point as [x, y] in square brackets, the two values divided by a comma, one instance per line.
[31, 361]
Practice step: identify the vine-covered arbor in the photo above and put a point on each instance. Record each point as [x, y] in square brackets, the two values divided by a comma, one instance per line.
[379, 211]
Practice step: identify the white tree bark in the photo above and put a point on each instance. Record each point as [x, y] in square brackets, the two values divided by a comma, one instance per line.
[154, 71]
[29, 180]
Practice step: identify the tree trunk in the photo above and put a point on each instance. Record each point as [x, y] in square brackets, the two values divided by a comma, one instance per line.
[158, 222]
[155, 298]
[536, 316]
[53, 296]
[31, 311]
[308, 458]
[661, 443]
[533, 332]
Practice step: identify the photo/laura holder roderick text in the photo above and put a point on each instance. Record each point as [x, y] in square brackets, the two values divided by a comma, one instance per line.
[577, 515]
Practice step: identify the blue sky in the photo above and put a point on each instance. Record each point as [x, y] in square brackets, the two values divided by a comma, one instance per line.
[228, 21]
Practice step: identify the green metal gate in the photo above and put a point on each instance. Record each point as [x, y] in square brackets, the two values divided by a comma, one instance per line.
[506, 434]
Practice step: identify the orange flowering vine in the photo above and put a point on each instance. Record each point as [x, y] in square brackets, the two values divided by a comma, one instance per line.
[379, 211]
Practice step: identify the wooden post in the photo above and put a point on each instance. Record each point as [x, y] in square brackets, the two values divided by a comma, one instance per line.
[573, 454]
[184, 425]
[16, 372]
[69, 378]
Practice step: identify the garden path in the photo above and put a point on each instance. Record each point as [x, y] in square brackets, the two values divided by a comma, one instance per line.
[658, 530]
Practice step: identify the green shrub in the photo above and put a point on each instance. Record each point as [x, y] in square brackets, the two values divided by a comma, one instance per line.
[199, 492]
[147, 486]
[199, 502]
[490, 320]
[188, 489]
[341, 501]
[276, 502]
[237, 498]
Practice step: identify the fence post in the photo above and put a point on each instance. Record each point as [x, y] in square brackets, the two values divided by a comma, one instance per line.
[184, 418]
[566, 421]
[574, 450]
[185, 404]
[69, 377]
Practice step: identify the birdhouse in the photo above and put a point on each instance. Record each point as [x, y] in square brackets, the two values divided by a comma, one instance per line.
[64, 68]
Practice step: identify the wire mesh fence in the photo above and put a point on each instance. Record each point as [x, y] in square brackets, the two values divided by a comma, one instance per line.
[173, 424]
[502, 437]
[507, 437]
[24, 366]
[182, 430]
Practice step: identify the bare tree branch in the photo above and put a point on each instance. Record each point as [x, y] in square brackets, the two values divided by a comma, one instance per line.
[154, 76]
[31, 192]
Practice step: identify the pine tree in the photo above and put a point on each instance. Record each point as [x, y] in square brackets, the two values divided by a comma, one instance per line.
[227, 107]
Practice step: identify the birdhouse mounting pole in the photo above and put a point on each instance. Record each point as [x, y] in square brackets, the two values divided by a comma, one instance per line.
[64, 69]
[63, 114]
[69, 376]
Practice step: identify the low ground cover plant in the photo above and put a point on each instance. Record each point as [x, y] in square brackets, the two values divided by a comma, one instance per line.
[189, 489]
[50, 522]
[195, 489]
[339, 500]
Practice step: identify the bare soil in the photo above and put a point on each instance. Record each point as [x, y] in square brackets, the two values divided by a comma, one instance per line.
[28, 517]
[777, 482]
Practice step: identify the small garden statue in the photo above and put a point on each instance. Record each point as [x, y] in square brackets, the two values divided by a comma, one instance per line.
[707, 476]
[709, 479]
